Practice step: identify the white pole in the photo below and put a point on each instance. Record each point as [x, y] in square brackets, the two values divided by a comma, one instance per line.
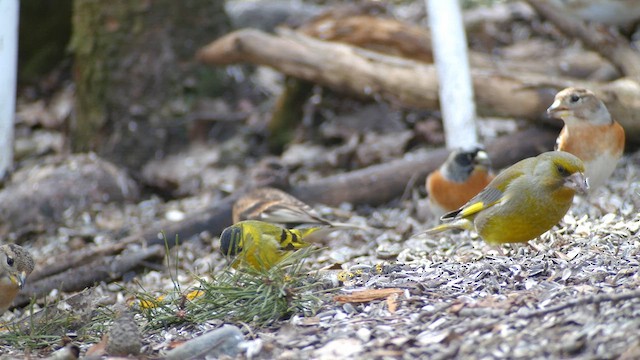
[449, 44]
[9, 11]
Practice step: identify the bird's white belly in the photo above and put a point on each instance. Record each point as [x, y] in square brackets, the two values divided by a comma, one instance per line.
[599, 170]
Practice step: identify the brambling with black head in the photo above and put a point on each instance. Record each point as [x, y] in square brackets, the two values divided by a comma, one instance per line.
[16, 263]
[461, 177]
[523, 201]
[589, 133]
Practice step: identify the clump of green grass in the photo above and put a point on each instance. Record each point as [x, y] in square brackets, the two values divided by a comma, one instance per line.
[258, 297]
[42, 328]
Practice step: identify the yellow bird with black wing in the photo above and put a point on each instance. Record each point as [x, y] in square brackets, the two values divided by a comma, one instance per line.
[523, 201]
[261, 245]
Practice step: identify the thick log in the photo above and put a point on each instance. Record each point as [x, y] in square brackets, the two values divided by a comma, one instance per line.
[402, 39]
[38, 197]
[75, 260]
[373, 185]
[507, 150]
[366, 74]
[130, 89]
[104, 269]
[384, 35]
[213, 219]
[381, 183]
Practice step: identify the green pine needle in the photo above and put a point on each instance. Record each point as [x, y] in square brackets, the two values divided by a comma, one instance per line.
[248, 295]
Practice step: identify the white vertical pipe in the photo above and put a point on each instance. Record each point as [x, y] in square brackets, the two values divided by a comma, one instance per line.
[9, 11]
[449, 44]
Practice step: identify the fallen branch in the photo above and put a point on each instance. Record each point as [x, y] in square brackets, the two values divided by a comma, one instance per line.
[381, 183]
[73, 260]
[365, 73]
[105, 269]
[591, 300]
[409, 41]
[413, 84]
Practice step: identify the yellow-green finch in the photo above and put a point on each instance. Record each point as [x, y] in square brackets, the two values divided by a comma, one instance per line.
[523, 201]
[261, 245]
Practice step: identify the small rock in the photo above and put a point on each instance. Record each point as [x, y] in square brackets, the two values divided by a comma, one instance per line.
[339, 349]
[223, 341]
[124, 336]
[364, 334]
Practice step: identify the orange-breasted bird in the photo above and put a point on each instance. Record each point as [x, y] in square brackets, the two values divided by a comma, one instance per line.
[523, 201]
[462, 176]
[589, 133]
[16, 263]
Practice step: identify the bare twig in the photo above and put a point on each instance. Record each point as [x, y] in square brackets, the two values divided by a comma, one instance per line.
[107, 268]
[363, 73]
[591, 300]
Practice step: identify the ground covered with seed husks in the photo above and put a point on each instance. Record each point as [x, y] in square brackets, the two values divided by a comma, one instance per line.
[576, 296]
[572, 294]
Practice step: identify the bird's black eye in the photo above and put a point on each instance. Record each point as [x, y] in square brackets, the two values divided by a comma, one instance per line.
[9, 261]
[574, 98]
[563, 171]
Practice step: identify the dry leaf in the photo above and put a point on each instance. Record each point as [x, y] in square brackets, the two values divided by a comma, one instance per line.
[98, 349]
[392, 302]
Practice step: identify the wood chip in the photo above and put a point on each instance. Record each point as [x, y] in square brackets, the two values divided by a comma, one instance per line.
[367, 295]
[392, 302]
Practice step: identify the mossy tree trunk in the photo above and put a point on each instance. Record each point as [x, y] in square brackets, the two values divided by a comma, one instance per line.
[136, 75]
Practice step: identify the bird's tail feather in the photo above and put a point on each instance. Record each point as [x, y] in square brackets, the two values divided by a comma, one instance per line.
[350, 226]
[460, 224]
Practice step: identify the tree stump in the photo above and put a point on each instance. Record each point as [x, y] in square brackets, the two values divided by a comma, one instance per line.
[134, 72]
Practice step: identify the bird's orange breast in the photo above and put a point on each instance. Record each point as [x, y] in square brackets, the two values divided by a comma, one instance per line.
[588, 142]
[451, 195]
[8, 292]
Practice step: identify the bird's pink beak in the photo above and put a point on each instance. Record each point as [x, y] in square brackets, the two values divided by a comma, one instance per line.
[556, 110]
[19, 279]
[577, 182]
